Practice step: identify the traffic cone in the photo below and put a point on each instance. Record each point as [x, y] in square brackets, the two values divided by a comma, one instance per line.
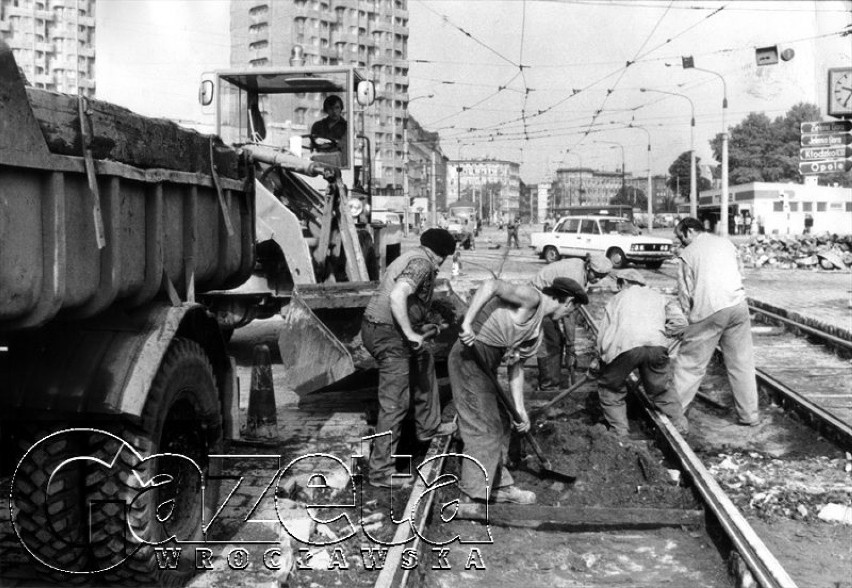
[262, 417]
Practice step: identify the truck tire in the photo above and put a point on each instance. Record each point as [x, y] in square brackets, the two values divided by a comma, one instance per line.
[654, 264]
[48, 514]
[616, 256]
[181, 416]
[551, 254]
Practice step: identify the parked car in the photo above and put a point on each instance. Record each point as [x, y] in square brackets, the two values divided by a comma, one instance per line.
[616, 237]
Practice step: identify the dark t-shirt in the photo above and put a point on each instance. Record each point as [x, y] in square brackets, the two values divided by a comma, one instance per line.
[327, 130]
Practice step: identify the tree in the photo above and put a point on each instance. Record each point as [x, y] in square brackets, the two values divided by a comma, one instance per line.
[678, 180]
[631, 196]
[764, 150]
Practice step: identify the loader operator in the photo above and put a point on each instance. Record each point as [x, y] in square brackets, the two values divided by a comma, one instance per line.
[585, 272]
[389, 335]
[329, 134]
[502, 322]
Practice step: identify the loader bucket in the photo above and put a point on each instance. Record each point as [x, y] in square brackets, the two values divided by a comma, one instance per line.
[312, 354]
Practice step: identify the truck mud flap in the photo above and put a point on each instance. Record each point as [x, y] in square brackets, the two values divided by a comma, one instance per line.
[313, 356]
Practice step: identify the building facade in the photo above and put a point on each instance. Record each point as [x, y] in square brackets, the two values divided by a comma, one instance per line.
[495, 185]
[583, 186]
[53, 42]
[782, 208]
[426, 162]
[371, 34]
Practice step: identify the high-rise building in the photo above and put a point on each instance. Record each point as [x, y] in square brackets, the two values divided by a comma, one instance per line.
[371, 34]
[53, 42]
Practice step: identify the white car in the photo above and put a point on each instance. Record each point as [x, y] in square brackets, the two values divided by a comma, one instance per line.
[615, 237]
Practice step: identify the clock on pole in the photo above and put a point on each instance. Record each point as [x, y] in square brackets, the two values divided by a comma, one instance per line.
[840, 92]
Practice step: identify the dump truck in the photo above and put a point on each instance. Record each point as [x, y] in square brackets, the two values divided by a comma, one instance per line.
[129, 247]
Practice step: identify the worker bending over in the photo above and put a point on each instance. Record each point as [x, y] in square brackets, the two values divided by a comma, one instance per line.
[633, 335]
[503, 322]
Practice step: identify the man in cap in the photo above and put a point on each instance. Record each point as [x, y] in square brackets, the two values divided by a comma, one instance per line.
[711, 293]
[586, 271]
[633, 334]
[388, 334]
[503, 321]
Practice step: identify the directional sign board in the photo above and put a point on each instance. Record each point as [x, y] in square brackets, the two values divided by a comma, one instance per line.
[809, 168]
[826, 140]
[837, 126]
[817, 153]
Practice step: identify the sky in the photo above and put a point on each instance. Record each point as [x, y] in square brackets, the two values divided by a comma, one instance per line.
[547, 84]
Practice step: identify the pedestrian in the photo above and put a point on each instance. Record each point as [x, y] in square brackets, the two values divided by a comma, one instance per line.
[809, 223]
[633, 334]
[711, 294]
[512, 234]
[389, 335]
[748, 222]
[738, 224]
[503, 321]
[558, 343]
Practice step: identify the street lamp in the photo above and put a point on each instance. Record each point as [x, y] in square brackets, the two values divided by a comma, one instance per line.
[614, 145]
[405, 160]
[580, 176]
[693, 188]
[723, 219]
[650, 193]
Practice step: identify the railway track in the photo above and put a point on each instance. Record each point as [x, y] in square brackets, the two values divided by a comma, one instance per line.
[803, 368]
[748, 550]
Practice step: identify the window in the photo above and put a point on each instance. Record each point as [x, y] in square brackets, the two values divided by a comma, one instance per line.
[589, 227]
[820, 206]
[778, 206]
[794, 207]
[569, 226]
[807, 206]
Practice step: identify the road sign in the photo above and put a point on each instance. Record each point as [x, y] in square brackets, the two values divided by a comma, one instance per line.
[826, 140]
[838, 126]
[829, 166]
[817, 153]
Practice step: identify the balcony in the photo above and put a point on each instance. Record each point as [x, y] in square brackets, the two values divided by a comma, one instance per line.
[353, 4]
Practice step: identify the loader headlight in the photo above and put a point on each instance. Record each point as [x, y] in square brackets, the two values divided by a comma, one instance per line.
[356, 206]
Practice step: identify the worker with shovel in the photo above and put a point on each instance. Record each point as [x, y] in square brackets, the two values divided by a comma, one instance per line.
[633, 334]
[502, 322]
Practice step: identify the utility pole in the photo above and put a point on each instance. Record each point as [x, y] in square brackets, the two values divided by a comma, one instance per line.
[433, 199]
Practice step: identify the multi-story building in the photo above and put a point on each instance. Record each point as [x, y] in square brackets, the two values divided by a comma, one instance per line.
[578, 186]
[493, 184]
[372, 34]
[662, 193]
[53, 42]
[426, 161]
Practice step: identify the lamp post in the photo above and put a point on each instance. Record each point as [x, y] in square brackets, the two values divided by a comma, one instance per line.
[693, 184]
[405, 161]
[613, 146]
[723, 218]
[580, 176]
[650, 194]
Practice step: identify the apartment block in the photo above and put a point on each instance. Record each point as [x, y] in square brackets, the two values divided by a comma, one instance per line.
[53, 42]
[495, 185]
[371, 34]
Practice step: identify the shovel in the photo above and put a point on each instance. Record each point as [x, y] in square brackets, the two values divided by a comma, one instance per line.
[508, 404]
[561, 396]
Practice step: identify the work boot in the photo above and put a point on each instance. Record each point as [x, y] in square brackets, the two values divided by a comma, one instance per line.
[549, 372]
[514, 495]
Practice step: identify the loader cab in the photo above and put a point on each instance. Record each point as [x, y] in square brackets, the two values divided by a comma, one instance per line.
[278, 107]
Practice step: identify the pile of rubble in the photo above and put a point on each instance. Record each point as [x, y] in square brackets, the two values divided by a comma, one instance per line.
[771, 489]
[822, 251]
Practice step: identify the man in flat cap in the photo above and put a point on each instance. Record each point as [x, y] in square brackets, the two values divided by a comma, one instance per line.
[585, 271]
[503, 322]
[634, 334]
[388, 334]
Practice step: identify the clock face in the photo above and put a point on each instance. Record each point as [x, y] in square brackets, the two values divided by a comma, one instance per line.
[840, 92]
